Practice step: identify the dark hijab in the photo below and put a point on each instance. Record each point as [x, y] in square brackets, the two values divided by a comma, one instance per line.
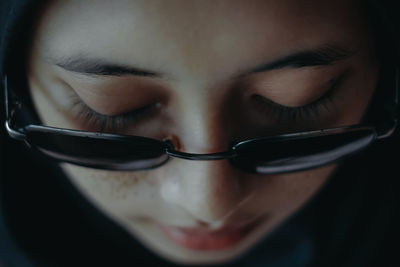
[44, 221]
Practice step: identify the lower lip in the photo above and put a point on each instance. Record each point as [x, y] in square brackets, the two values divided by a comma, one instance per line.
[201, 240]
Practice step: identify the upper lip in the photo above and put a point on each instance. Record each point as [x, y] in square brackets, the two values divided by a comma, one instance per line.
[225, 229]
[201, 231]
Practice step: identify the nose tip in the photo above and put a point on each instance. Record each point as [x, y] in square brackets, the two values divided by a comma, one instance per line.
[208, 190]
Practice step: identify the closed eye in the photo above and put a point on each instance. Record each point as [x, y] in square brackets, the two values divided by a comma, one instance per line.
[308, 113]
[108, 123]
[282, 113]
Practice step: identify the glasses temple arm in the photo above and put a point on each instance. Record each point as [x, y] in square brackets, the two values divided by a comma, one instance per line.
[13, 133]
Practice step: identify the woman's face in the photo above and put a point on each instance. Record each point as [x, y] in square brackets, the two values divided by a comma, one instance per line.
[202, 73]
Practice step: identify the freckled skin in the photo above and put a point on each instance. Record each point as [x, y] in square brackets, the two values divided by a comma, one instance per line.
[201, 47]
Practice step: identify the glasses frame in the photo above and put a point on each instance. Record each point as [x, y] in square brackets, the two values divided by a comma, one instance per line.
[276, 167]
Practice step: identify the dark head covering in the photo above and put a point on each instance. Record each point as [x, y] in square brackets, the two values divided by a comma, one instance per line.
[10, 14]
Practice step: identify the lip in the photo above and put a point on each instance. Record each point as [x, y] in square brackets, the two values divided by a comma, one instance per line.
[203, 239]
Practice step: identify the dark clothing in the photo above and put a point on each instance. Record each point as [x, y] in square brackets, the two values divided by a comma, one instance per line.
[353, 221]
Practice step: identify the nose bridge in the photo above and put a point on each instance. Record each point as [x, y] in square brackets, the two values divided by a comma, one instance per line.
[201, 125]
[208, 190]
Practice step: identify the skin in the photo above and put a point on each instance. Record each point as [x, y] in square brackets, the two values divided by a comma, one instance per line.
[200, 48]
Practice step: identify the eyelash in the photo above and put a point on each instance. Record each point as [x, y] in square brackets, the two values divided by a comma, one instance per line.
[298, 114]
[302, 114]
[107, 122]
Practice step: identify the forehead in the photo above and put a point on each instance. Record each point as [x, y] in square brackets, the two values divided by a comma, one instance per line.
[200, 34]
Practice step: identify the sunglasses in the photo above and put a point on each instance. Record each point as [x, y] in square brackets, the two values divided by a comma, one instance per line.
[267, 155]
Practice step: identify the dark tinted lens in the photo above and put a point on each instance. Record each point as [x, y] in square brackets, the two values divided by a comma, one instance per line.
[299, 152]
[99, 151]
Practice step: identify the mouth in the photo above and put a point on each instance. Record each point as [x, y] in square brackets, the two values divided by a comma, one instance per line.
[202, 239]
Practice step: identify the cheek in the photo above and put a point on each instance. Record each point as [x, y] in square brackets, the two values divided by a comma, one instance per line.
[49, 114]
[116, 193]
[283, 194]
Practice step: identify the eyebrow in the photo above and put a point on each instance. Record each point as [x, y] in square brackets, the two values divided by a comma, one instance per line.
[91, 66]
[324, 55]
[83, 64]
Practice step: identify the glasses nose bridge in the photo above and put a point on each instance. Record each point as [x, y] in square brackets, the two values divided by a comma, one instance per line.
[174, 146]
[193, 156]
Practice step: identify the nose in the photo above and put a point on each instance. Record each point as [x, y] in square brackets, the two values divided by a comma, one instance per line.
[209, 191]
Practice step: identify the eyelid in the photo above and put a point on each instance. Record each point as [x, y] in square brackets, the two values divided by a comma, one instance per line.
[331, 86]
[295, 87]
[307, 113]
[108, 122]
